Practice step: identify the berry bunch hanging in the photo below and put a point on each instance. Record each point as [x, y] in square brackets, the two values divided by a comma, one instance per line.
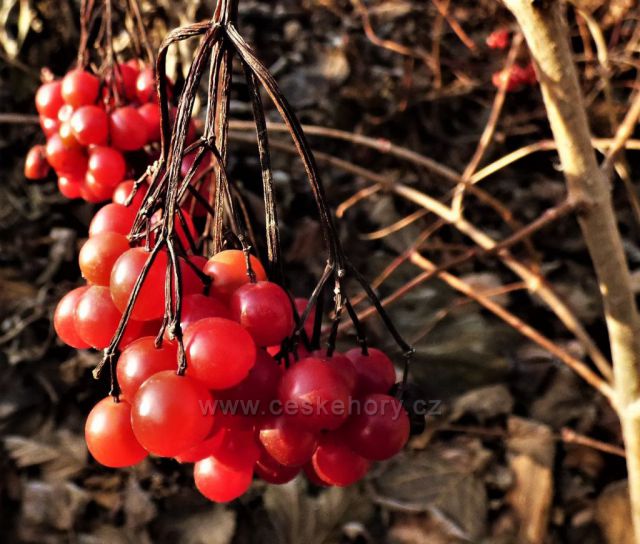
[102, 119]
[519, 76]
[212, 362]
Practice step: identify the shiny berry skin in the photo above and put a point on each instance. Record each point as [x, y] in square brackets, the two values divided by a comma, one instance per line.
[126, 77]
[69, 187]
[264, 309]
[202, 449]
[220, 353]
[342, 365]
[313, 477]
[380, 430]
[67, 136]
[98, 255]
[229, 272]
[151, 114]
[128, 129]
[376, 373]
[123, 190]
[35, 164]
[49, 126]
[107, 165]
[94, 191]
[65, 113]
[96, 318]
[112, 218]
[318, 392]
[65, 160]
[90, 125]
[237, 448]
[499, 39]
[286, 442]
[49, 99]
[168, 413]
[125, 272]
[80, 88]
[146, 86]
[220, 483]
[109, 436]
[140, 360]
[64, 318]
[273, 472]
[196, 307]
[336, 464]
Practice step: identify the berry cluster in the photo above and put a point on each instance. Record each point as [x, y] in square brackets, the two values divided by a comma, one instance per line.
[240, 407]
[93, 126]
[520, 75]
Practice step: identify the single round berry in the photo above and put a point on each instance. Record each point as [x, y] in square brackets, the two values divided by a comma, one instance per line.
[127, 129]
[126, 77]
[146, 86]
[97, 318]
[273, 472]
[316, 393]
[379, 430]
[49, 126]
[151, 114]
[109, 436]
[69, 187]
[65, 160]
[376, 373]
[142, 359]
[286, 442]
[124, 189]
[169, 413]
[90, 125]
[49, 99]
[68, 137]
[229, 272]
[220, 483]
[95, 191]
[98, 255]
[80, 88]
[202, 449]
[342, 365]
[196, 307]
[264, 309]
[107, 165]
[336, 464]
[64, 319]
[237, 449]
[112, 218]
[220, 353]
[35, 164]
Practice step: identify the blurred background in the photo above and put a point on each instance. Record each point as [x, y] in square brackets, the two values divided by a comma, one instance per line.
[516, 447]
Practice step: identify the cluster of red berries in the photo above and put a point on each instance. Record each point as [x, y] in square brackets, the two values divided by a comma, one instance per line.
[519, 76]
[90, 127]
[237, 410]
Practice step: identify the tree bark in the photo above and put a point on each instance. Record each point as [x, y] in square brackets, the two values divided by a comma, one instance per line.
[546, 33]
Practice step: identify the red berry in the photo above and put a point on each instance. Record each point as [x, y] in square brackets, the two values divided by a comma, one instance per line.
[64, 318]
[220, 353]
[237, 448]
[98, 255]
[264, 309]
[35, 164]
[380, 429]
[318, 393]
[229, 272]
[202, 449]
[150, 112]
[65, 113]
[220, 483]
[273, 472]
[70, 187]
[196, 307]
[94, 191]
[336, 464]
[342, 364]
[499, 39]
[90, 125]
[112, 218]
[80, 88]
[146, 86]
[127, 129]
[168, 413]
[123, 190]
[49, 126]
[140, 360]
[107, 165]
[301, 304]
[376, 373]
[65, 160]
[286, 442]
[109, 436]
[97, 318]
[49, 99]
[313, 477]
[126, 76]
[67, 136]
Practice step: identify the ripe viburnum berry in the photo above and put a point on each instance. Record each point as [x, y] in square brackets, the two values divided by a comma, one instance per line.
[376, 373]
[219, 482]
[64, 318]
[49, 99]
[80, 88]
[90, 125]
[229, 272]
[335, 463]
[98, 255]
[35, 164]
[499, 39]
[128, 129]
